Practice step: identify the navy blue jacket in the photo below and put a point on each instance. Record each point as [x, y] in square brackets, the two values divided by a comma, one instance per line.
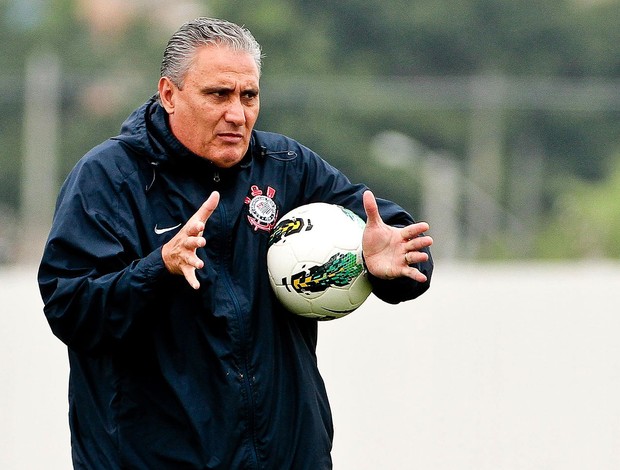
[165, 377]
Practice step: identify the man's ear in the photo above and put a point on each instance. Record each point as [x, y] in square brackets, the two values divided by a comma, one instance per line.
[167, 91]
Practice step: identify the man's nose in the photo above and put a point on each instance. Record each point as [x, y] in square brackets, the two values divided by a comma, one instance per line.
[235, 113]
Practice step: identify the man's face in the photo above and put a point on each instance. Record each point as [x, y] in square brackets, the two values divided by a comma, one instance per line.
[214, 113]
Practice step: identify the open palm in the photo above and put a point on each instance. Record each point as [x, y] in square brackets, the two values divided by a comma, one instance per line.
[390, 252]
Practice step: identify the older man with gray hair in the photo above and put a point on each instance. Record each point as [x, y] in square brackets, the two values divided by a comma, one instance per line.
[154, 275]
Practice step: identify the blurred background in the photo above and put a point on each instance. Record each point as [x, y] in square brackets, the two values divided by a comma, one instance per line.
[495, 120]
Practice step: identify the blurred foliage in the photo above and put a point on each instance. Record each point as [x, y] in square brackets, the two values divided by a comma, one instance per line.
[586, 220]
[110, 68]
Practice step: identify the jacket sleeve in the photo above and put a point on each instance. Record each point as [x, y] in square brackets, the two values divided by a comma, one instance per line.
[325, 183]
[94, 281]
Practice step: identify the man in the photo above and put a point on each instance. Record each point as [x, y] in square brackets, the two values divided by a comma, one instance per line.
[154, 275]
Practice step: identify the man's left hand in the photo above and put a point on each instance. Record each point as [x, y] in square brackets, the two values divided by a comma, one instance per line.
[389, 251]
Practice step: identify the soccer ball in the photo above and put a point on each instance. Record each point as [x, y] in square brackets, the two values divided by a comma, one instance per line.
[315, 262]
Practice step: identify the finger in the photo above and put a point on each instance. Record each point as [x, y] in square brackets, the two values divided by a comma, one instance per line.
[414, 230]
[414, 274]
[191, 244]
[194, 228]
[190, 276]
[208, 207]
[371, 208]
[195, 262]
[196, 224]
[414, 257]
[418, 243]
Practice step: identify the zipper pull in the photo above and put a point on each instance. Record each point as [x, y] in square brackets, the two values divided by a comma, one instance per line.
[216, 176]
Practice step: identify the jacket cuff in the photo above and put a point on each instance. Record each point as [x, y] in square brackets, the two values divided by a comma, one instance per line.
[152, 268]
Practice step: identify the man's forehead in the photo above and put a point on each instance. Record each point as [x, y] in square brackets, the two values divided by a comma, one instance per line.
[224, 56]
[223, 66]
[223, 81]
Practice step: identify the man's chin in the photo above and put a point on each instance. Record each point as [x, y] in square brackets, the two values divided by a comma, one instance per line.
[226, 160]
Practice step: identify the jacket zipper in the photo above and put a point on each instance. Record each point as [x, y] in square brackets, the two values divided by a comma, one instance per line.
[244, 372]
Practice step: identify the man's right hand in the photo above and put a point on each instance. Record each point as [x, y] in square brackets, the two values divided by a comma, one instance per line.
[179, 254]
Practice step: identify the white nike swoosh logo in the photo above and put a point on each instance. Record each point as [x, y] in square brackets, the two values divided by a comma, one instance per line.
[159, 231]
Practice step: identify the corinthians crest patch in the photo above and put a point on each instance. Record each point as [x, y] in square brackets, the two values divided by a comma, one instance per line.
[262, 209]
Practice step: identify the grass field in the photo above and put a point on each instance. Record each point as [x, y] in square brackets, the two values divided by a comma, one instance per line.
[497, 367]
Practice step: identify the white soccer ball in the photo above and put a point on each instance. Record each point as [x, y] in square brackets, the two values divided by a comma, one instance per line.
[315, 261]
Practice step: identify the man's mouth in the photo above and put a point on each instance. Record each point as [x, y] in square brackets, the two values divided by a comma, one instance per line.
[231, 137]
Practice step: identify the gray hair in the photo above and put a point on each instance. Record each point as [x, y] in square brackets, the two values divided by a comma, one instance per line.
[181, 48]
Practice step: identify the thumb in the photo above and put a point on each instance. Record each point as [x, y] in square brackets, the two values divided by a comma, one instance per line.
[371, 208]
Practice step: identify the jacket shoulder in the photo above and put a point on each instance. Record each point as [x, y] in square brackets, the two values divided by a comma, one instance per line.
[110, 161]
[103, 174]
